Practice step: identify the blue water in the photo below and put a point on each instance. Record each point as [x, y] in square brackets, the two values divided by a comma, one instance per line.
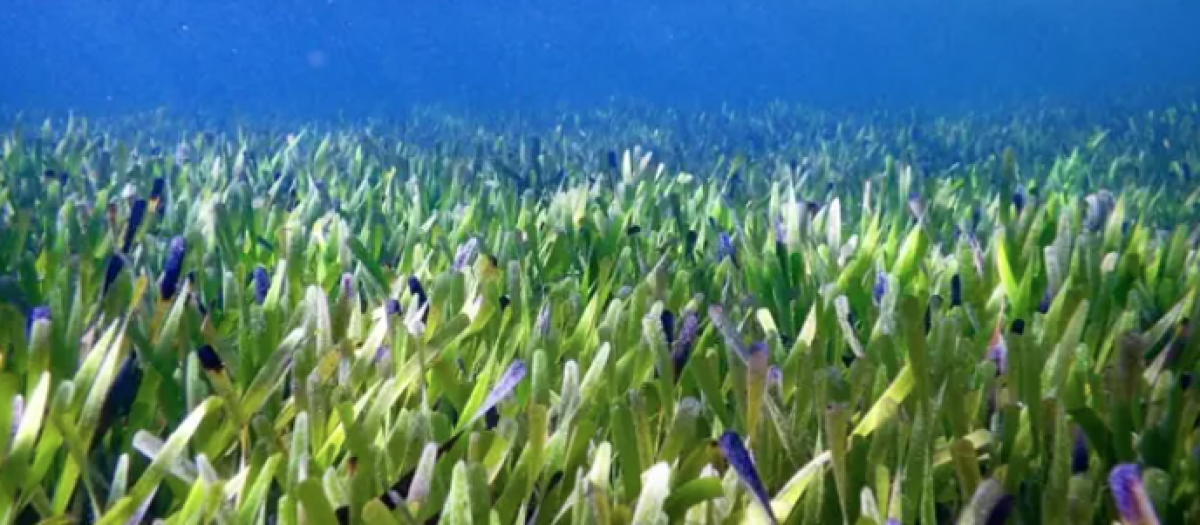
[328, 57]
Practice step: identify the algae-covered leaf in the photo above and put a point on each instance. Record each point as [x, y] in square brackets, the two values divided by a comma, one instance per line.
[784, 503]
[692, 493]
[1004, 266]
[149, 481]
[253, 504]
[888, 404]
[1054, 374]
[29, 426]
[316, 504]
[655, 490]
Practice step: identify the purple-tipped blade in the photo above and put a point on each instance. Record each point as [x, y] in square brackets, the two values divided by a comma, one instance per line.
[683, 345]
[415, 288]
[347, 285]
[168, 285]
[115, 264]
[504, 387]
[739, 458]
[392, 307]
[40, 313]
[880, 289]
[1129, 494]
[136, 215]
[1046, 301]
[262, 284]
[726, 249]
[209, 359]
[1079, 452]
[466, 253]
[668, 325]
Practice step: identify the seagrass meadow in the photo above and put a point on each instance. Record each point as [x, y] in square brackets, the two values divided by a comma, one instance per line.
[616, 316]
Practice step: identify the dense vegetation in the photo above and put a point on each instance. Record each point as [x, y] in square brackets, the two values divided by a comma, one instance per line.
[622, 316]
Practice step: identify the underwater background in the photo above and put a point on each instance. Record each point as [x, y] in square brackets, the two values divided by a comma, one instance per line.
[330, 57]
[599, 263]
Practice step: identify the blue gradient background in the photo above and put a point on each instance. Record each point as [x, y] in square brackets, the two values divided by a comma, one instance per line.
[380, 57]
